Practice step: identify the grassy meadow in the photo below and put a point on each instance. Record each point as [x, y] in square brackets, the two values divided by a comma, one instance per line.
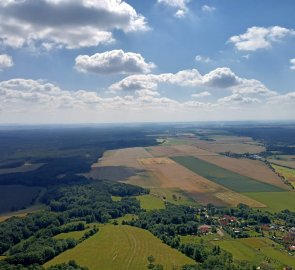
[224, 177]
[122, 247]
[256, 250]
[288, 173]
[275, 201]
[150, 202]
[252, 249]
[75, 235]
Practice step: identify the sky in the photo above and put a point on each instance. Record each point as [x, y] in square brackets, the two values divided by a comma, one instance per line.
[109, 61]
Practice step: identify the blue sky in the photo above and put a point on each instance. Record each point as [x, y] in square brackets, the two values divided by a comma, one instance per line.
[65, 61]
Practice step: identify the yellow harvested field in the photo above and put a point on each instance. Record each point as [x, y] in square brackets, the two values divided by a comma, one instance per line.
[149, 161]
[123, 157]
[163, 151]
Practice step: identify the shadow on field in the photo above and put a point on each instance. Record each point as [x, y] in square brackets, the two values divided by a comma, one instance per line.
[113, 173]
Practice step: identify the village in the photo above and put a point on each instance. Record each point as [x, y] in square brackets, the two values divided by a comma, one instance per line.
[217, 227]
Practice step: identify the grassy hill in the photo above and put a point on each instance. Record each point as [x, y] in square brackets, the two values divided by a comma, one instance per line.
[122, 247]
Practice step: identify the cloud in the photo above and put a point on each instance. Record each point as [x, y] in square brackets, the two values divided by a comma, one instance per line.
[201, 95]
[203, 59]
[206, 8]
[180, 5]
[219, 78]
[5, 61]
[146, 92]
[238, 99]
[260, 38]
[288, 98]
[292, 64]
[113, 62]
[38, 95]
[64, 23]
[39, 101]
[252, 86]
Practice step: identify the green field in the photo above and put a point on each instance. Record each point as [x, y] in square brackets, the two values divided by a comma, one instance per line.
[255, 250]
[213, 238]
[252, 249]
[175, 196]
[18, 197]
[127, 217]
[75, 235]
[276, 201]
[150, 202]
[116, 198]
[288, 173]
[224, 177]
[120, 248]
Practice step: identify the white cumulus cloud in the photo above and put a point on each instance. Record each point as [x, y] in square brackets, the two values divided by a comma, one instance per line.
[63, 23]
[260, 37]
[5, 61]
[111, 62]
[180, 5]
[27, 101]
[292, 64]
[202, 94]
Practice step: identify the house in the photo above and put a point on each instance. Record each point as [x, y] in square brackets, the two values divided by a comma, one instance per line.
[204, 229]
[226, 219]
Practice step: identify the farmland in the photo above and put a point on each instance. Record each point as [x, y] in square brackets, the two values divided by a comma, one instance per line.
[177, 167]
[122, 247]
[257, 250]
[283, 160]
[251, 168]
[252, 249]
[150, 202]
[161, 173]
[287, 173]
[275, 201]
[222, 176]
[233, 144]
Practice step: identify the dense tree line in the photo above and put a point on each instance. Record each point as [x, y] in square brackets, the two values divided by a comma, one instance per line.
[288, 216]
[64, 151]
[72, 265]
[168, 223]
[89, 201]
[280, 138]
[249, 215]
